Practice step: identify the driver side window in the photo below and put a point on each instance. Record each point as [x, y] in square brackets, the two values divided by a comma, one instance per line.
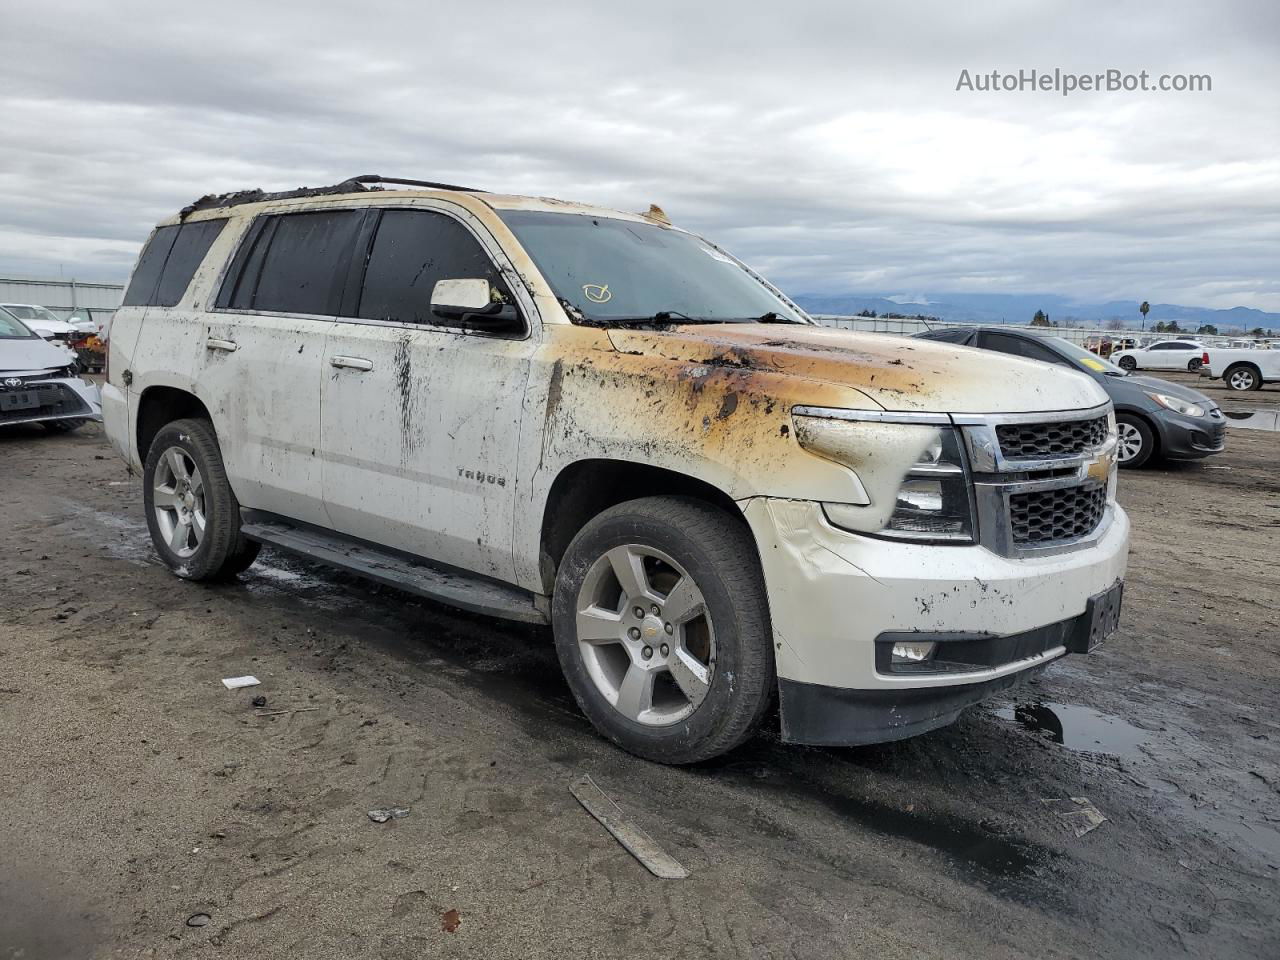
[412, 250]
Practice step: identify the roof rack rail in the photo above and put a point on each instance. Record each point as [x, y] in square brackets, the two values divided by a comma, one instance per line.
[350, 185]
[377, 178]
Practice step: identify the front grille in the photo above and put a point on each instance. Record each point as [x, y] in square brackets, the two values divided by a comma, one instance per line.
[1046, 517]
[54, 400]
[1046, 440]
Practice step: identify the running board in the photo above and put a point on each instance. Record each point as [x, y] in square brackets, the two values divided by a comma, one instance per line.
[453, 587]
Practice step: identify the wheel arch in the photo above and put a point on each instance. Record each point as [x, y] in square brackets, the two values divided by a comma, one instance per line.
[159, 405]
[585, 488]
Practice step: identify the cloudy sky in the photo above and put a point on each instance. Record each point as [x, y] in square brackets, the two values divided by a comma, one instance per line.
[825, 143]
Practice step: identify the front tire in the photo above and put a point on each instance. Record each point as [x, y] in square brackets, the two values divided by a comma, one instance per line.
[1128, 363]
[662, 628]
[192, 513]
[1137, 442]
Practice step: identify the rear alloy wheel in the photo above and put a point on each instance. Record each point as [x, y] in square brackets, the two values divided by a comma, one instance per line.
[1194, 364]
[192, 513]
[662, 628]
[1241, 379]
[1128, 363]
[1136, 442]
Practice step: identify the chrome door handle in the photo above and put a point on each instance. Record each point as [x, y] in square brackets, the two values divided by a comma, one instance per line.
[226, 346]
[352, 363]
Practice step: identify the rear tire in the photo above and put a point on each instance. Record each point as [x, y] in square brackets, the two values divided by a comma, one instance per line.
[192, 513]
[1194, 365]
[1242, 378]
[692, 680]
[1128, 363]
[1137, 441]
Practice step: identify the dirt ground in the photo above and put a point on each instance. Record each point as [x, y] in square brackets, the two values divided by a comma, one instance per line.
[137, 792]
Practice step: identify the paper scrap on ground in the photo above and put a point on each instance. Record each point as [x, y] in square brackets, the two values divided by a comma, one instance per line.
[235, 683]
[1079, 813]
[638, 843]
[389, 813]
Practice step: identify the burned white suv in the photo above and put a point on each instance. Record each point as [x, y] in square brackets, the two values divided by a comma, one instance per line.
[592, 419]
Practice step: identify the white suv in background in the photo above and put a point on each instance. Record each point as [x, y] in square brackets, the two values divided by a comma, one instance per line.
[592, 419]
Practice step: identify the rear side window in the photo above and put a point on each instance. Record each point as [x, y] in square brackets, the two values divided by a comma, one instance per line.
[169, 261]
[294, 263]
[411, 251]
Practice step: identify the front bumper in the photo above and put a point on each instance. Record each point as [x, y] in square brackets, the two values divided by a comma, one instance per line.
[833, 594]
[1190, 438]
[59, 398]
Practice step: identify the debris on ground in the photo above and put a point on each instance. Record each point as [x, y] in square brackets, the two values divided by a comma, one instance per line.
[638, 843]
[198, 919]
[388, 813]
[235, 683]
[450, 921]
[259, 701]
[1079, 813]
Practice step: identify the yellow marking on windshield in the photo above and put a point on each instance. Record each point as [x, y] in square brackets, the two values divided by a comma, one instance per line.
[1094, 364]
[597, 292]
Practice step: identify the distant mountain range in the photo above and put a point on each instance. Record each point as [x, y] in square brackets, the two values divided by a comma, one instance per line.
[1020, 308]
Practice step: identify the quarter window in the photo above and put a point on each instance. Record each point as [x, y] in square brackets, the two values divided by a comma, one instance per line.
[412, 250]
[169, 261]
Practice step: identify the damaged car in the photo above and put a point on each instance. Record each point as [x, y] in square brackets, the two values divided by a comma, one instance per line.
[38, 382]
[594, 420]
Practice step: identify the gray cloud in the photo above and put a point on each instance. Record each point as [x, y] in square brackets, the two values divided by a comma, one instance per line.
[824, 143]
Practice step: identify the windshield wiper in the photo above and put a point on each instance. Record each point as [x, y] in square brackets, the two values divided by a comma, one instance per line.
[662, 316]
[772, 317]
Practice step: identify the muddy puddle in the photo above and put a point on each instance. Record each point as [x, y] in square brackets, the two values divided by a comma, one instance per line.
[1077, 727]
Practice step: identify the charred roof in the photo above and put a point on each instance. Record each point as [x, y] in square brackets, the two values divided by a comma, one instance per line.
[362, 184]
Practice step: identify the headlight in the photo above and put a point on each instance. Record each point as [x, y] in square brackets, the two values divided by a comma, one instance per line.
[1184, 407]
[914, 475]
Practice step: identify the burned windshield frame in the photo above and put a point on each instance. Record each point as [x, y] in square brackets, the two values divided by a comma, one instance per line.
[609, 270]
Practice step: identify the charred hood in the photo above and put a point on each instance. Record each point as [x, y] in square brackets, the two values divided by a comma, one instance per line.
[896, 373]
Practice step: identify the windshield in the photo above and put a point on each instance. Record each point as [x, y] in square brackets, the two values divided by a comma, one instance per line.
[26, 312]
[611, 270]
[1083, 358]
[11, 328]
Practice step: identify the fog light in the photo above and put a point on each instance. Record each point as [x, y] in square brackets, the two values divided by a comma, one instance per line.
[912, 652]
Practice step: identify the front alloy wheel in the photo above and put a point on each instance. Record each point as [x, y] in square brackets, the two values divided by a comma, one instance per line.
[1135, 442]
[645, 636]
[662, 628]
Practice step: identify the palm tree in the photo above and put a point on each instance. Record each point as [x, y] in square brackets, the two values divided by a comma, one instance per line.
[1144, 310]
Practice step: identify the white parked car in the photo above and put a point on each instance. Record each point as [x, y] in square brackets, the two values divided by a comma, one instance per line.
[591, 419]
[1241, 369]
[43, 321]
[38, 383]
[1161, 355]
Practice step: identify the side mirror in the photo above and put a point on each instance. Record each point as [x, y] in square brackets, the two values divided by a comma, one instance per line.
[473, 303]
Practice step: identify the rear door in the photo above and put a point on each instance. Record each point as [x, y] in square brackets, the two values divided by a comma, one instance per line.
[261, 352]
[421, 419]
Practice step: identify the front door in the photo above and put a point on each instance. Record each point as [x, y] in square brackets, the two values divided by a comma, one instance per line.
[420, 421]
